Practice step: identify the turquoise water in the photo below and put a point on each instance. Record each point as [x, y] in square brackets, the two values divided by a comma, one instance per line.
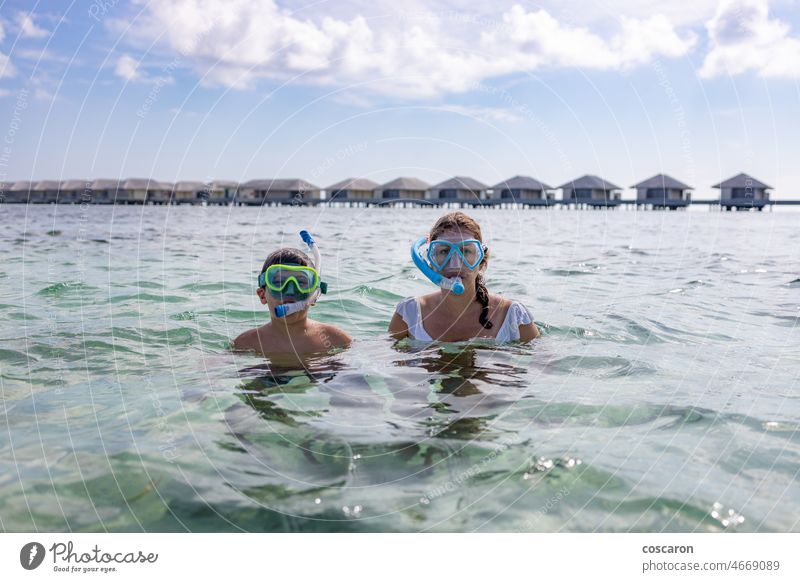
[663, 395]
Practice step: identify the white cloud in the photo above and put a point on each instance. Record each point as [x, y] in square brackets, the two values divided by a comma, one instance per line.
[532, 39]
[127, 68]
[4, 92]
[6, 68]
[744, 38]
[28, 28]
[235, 43]
[488, 114]
[2, 31]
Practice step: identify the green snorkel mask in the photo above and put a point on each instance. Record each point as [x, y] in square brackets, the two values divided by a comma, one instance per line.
[295, 281]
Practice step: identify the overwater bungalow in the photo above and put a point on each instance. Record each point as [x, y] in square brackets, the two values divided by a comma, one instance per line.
[402, 188]
[459, 189]
[19, 191]
[75, 192]
[591, 191]
[188, 192]
[45, 192]
[105, 191]
[141, 190]
[523, 189]
[662, 191]
[260, 191]
[223, 192]
[743, 191]
[133, 191]
[159, 192]
[351, 189]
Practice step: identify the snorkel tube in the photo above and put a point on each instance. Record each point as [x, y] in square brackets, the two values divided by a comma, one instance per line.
[288, 308]
[455, 285]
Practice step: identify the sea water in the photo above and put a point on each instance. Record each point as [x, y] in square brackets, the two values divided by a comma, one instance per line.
[662, 396]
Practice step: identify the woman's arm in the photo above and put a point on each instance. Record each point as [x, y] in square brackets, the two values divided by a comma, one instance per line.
[528, 332]
[397, 327]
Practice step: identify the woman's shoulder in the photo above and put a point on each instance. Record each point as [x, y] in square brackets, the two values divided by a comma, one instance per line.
[499, 305]
[405, 302]
[414, 300]
[405, 307]
[512, 311]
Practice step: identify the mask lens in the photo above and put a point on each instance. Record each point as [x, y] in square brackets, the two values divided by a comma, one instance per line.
[291, 279]
[439, 253]
[472, 253]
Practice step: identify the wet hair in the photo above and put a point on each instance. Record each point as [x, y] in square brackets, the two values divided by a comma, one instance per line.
[287, 256]
[460, 221]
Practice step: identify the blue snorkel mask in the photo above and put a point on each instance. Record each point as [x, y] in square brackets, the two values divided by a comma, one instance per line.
[468, 252]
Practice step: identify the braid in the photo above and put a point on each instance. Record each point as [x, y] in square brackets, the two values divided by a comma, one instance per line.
[482, 297]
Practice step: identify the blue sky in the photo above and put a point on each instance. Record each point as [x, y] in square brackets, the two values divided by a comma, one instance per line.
[200, 89]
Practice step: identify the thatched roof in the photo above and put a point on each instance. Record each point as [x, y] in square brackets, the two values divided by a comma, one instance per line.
[741, 181]
[106, 184]
[146, 184]
[46, 185]
[405, 184]
[461, 183]
[591, 182]
[662, 181]
[21, 186]
[76, 185]
[353, 184]
[186, 186]
[522, 183]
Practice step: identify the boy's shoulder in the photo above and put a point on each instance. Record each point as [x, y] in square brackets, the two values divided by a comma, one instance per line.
[334, 334]
[250, 339]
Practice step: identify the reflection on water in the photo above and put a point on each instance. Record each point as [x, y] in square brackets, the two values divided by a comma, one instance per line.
[661, 397]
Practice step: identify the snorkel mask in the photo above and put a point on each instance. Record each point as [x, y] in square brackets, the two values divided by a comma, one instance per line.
[468, 252]
[296, 281]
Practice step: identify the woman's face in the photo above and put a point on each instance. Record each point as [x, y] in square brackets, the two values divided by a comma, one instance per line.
[455, 266]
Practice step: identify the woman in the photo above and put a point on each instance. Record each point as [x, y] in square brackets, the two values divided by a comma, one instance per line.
[463, 308]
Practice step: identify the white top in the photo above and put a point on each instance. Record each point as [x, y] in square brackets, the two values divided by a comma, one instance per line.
[409, 309]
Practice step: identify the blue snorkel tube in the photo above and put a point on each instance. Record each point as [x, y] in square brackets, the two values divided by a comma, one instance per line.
[289, 308]
[455, 285]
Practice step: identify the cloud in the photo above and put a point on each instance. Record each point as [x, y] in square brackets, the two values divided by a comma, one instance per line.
[127, 68]
[6, 68]
[744, 38]
[131, 70]
[234, 43]
[28, 28]
[4, 92]
[488, 114]
[2, 31]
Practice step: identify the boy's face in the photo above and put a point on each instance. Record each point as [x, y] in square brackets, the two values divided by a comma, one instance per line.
[272, 302]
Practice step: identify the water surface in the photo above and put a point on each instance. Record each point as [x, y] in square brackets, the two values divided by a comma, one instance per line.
[663, 395]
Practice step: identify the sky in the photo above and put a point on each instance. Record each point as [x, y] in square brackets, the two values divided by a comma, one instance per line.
[322, 90]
